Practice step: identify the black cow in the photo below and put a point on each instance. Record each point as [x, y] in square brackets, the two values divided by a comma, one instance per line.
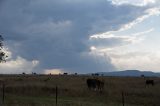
[95, 84]
[100, 85]
[148, 82]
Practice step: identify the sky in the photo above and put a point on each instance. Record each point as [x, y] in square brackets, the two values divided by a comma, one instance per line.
[80, 36]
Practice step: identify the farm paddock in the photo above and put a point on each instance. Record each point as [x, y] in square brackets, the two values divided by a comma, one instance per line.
[40, 90]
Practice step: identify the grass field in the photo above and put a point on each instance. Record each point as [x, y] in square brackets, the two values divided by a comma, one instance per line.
[40, 90]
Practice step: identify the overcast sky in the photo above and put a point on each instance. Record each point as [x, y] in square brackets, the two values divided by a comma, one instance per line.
[82, 36]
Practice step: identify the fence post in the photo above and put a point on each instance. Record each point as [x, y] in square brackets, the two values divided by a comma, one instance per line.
[56, 94]
[3, 92]
[123, 98]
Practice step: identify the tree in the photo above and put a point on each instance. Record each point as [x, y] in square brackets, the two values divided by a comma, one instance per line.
[3, 55]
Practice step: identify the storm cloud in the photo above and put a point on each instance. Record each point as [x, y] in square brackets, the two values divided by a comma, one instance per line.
[56, 33]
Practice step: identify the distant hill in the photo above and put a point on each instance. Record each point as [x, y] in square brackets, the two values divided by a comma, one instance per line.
[135, 73]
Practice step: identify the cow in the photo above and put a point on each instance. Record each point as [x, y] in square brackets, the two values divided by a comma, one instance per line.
[95, 84]
[100, 85]
[65, 73]
[150, 82]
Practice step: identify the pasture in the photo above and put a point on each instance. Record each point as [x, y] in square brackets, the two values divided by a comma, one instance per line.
[40, 90]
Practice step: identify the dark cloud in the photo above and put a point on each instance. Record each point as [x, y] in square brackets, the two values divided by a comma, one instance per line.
[56, 33]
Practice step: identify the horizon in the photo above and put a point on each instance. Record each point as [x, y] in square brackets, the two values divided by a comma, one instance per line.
[77, 36]
[75, 73]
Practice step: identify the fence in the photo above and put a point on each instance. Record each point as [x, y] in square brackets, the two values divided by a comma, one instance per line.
[57, 103]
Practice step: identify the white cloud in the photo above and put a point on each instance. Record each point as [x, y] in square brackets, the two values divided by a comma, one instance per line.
[136, 60]
[148, 13]
[17, 66]
[110, 40]
[133, 2]
[105, 40]
[144, 32]
[121, 56]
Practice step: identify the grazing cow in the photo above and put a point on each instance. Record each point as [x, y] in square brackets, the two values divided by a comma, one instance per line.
[91, 83]
[100, 85]
[95, 84]
[65, 73]
[148, 82]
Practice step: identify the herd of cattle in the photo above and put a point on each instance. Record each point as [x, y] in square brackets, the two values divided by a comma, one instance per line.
[96, 84]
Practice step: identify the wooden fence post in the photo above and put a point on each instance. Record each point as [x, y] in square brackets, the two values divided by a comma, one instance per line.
[123, 98]
[56, 94]
[3, 92]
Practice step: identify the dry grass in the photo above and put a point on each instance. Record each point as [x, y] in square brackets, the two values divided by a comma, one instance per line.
[73, 91]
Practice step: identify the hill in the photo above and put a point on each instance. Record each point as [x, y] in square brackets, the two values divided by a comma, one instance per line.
[134, 73]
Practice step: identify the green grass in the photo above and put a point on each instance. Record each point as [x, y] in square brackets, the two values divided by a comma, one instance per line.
[73, 91]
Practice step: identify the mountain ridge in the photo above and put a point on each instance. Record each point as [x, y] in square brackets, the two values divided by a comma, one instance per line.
[134, 73]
